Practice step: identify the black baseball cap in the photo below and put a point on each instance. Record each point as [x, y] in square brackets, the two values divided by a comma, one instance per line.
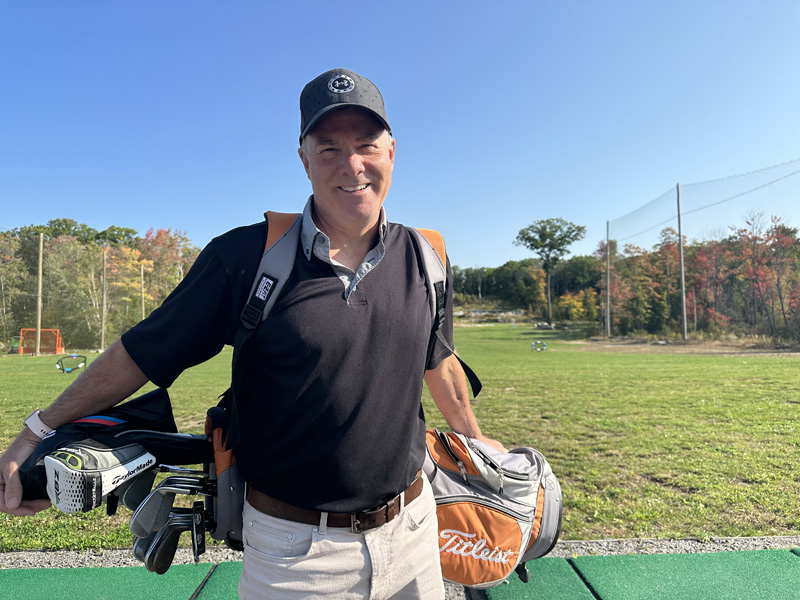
[338, 88]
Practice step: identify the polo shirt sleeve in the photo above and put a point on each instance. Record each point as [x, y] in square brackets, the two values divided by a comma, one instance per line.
[440, 352]
[191, 326]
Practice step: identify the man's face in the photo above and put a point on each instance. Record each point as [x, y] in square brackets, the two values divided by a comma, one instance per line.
[349, 158]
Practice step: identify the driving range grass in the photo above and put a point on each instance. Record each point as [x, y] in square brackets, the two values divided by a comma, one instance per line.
[647, 441]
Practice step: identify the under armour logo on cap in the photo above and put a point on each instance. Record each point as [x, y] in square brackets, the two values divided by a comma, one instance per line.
[341, 84]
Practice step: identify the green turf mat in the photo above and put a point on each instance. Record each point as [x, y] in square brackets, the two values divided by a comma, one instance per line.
[551, 579]
[124, 583]
[223, 583]
[762, 574]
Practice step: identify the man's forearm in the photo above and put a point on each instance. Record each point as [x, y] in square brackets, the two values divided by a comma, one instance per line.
[451, 395]
[108, 380]
[449, 389]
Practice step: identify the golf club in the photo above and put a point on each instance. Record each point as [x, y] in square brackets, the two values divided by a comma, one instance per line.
[160, 554]
[154, 510]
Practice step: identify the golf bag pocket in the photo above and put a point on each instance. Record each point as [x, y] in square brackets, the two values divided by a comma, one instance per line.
[495, 510]
[229, 502]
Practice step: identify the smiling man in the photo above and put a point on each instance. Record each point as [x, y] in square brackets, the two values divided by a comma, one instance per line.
[349, 157]
[331, 432]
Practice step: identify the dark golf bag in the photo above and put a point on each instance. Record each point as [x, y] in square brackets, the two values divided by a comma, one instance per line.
[146, 420]
[88, 462]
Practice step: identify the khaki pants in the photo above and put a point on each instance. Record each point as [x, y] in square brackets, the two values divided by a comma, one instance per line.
[284, 560]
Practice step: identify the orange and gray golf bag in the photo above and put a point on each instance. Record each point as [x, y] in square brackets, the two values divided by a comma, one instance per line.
[495, 510]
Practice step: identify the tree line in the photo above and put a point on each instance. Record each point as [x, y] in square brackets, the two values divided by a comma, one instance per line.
[89, 278]
[530, 283]
[522, 284]
[745, 283]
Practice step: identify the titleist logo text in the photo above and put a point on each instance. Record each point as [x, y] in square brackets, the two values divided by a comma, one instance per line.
[462, 543]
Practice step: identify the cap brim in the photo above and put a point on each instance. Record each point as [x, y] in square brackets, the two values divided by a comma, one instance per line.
[324, 111]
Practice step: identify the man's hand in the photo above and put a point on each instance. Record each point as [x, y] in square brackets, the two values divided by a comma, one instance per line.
[493, 443]
[10, 486]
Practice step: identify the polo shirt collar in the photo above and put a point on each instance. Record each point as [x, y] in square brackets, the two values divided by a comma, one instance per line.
[309, 232]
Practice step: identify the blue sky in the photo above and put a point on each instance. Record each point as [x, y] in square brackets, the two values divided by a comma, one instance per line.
[184, 113]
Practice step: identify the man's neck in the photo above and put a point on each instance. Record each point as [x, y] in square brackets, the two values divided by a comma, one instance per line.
[349, 242]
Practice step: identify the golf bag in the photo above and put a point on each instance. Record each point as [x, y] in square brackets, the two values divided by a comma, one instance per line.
[495, 510]
[146, 422]
[115, 457]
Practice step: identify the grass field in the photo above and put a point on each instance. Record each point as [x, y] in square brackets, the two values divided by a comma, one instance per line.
[647, 441]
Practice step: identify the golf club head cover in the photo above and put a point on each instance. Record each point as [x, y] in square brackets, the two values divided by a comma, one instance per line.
[80, 475]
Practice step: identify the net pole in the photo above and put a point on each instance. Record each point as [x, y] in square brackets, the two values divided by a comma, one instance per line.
[608, 280]
[38, 347]
[103, 307]
[680, 256]
[141, 283]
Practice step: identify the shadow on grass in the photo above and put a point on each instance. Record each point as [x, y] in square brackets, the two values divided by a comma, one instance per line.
[569, 332]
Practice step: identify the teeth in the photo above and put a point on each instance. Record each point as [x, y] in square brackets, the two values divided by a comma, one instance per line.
[357, 188]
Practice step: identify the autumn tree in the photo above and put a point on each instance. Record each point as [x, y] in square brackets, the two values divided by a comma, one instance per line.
[170, 254]
[755, 269]
[550, 239]
[783, 253]
[12, 274]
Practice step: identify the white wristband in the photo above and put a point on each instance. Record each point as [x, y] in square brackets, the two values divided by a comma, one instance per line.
[35, 424]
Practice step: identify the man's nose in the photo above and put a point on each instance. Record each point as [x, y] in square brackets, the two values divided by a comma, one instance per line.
[352, 164]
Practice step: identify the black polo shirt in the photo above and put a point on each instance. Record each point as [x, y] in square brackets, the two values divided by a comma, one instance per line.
[331, 417]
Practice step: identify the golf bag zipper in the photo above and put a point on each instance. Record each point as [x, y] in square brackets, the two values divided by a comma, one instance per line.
[453, 456]
[478, 500]
[502, 473]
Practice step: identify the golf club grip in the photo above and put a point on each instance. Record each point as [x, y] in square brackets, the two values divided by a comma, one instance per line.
[34, 483]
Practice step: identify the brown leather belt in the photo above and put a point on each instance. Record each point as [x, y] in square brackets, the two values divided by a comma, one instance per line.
[357, 522]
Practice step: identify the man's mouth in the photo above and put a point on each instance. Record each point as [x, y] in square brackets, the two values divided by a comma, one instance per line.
[355, 188]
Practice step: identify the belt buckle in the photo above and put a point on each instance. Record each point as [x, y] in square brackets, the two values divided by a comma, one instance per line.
[387, 510]
[355, 524]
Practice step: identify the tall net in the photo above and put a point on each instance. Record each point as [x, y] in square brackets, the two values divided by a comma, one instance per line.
[741, 258]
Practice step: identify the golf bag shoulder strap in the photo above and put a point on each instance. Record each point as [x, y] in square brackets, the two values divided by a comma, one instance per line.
[277, 262]
[431, 248]
[278, 225]
[436, 241]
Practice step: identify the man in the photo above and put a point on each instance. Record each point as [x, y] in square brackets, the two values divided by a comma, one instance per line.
[330, 431]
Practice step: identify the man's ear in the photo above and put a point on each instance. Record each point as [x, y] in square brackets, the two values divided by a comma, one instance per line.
[304, 160]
